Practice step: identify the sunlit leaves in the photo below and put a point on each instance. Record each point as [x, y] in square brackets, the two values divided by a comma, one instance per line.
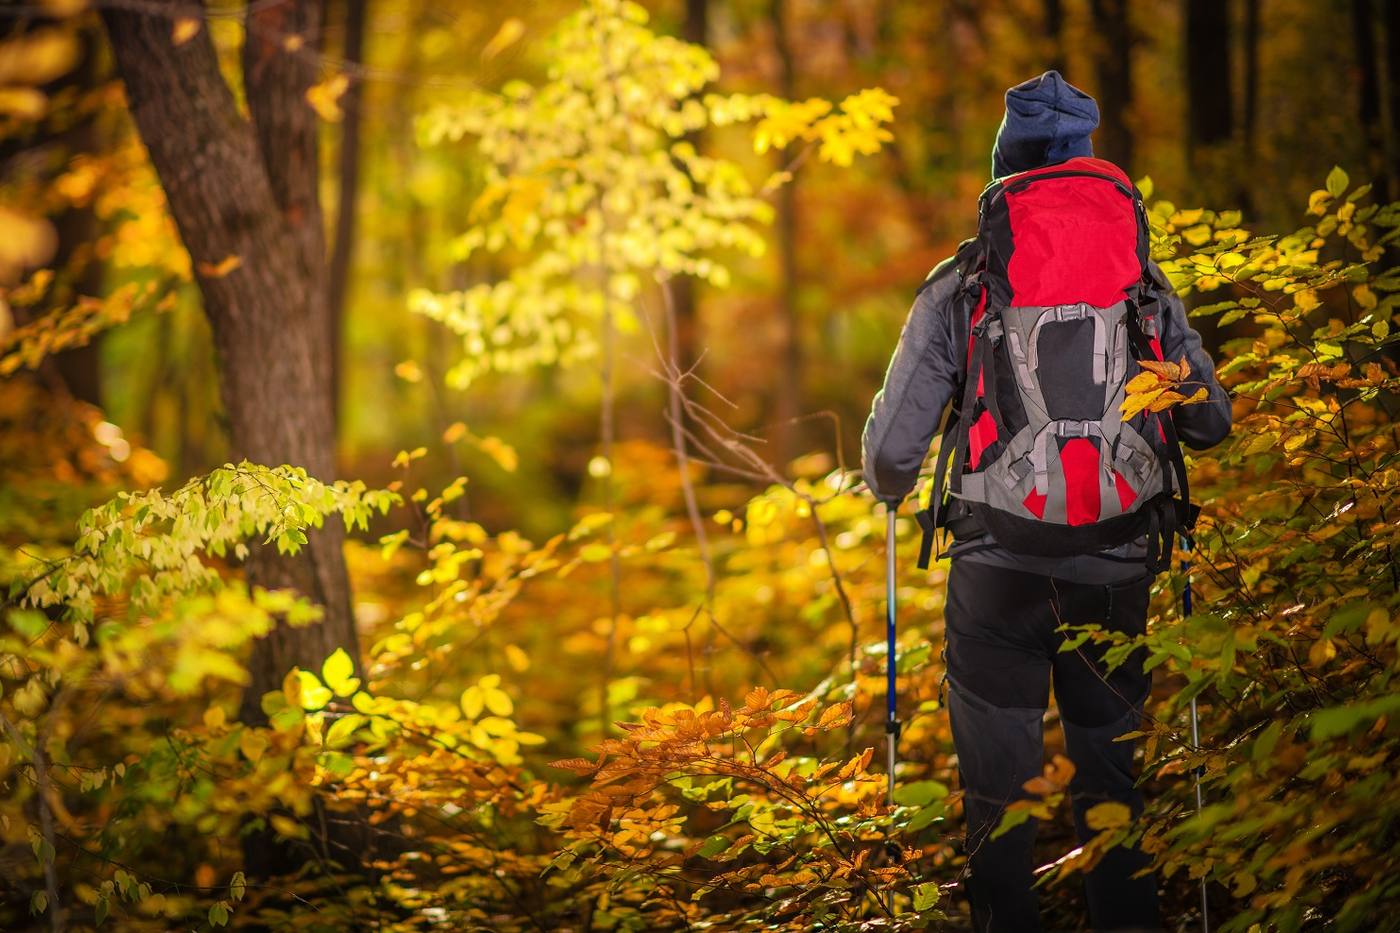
[486, 694]
[593, 192]
[184, 29]
[1155, 388]
[324, 97]
[338, 674]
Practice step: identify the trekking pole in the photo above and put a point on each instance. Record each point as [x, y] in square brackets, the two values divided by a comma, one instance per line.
[1195, 722]
[891, 722]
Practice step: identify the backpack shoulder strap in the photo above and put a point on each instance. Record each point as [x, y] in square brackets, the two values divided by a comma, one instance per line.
[961, 263]
[967, 263]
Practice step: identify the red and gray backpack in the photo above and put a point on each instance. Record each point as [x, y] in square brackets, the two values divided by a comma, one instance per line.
[1061, 308]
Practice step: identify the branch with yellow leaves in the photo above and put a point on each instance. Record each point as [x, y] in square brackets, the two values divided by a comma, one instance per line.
[1158, 386]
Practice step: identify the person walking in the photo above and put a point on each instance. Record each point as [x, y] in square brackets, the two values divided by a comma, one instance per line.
[1061, 510]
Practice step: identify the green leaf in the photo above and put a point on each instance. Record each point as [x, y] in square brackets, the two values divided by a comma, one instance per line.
[714, 845]
[238, 887]
[927, 815]
[1339, 720]
[218, 914]
[1010, 819]
[341, 731]
[926, 895]
[1337, 181]
[1264, 744]
[920, 793]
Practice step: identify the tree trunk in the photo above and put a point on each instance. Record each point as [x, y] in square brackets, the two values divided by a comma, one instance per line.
[789, 371]
[1210, 94]
[1209, 117]
[1390, 97]
[248, 190]
[1250, 118]
[349, 183]
[696, 31]
[1365, 31]
[1054, 12]
[1113, 60]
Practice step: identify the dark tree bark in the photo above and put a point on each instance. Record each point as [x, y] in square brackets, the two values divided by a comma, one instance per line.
[1054, 11]
[1210, 97]
[1365, 31]
[1250, 118]
[1390, 88]
[248, 189]
[787, 400]
[1113, 62]
[1209, 78]
[349, 184]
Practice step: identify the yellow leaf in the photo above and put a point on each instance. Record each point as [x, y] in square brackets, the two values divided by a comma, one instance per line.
[454, 433]
[214, 717]
[1197, 235]
[252, 744]
[1108, 815]
[595, 552]
[38, 56]
[510, 32]
[1321, 652]
[516, 658]
[185, 29]
[314, 695]
[338, 673]
[286, 826]
[501, 452]
[498, 702]
[291, 687]
[472, 701]
[324, 97]
[1136, 403]
[23, 102]
[1142, 382]
[28, 241]
[1165, 400]
[217, 270]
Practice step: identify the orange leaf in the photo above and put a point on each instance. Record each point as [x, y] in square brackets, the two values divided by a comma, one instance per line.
[185, 29]
[217, 270]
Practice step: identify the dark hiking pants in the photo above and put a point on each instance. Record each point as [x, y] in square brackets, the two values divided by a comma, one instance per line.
[1002, 654]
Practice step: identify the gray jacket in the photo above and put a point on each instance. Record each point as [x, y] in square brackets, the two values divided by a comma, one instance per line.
[927, 371]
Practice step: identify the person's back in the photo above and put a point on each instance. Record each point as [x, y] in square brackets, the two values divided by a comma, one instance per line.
[1004, 605]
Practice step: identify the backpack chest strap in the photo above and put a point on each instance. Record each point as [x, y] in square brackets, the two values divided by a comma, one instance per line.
[1039, 454]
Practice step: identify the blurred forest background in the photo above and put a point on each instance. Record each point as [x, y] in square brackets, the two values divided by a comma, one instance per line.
[572, 313]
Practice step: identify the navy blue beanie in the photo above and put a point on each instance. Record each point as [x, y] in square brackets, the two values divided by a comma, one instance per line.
[1047, 120]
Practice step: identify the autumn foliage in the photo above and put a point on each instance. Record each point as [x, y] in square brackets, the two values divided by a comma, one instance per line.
[661, 705]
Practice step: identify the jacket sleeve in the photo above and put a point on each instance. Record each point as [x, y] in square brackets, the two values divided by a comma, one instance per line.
[922, 377]
[1202, 424]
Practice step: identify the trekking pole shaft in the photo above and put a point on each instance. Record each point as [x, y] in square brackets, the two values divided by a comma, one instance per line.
[891, 723]
[891, 732]
[1186, 608]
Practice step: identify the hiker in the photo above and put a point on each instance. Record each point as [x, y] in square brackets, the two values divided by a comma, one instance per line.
[1060, 511]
